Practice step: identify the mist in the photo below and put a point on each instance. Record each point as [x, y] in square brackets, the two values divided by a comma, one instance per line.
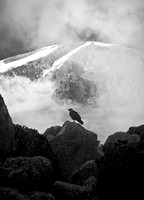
[28, 25]
[118, 74]
[32, 103]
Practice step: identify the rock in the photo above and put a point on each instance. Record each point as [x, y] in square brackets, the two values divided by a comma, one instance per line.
[6, 130]
[138, 130]
[73, 146]
[30, 143]
[41, 196]
[11, 194]
[86, 170]
[51, 132]
[91, 182]
[70, 191]
[27, 173]
[121, 139]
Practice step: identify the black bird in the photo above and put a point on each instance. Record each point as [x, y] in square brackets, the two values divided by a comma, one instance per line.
[75, 116]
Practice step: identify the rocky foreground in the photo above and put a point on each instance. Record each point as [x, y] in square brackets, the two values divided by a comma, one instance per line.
[68, 162]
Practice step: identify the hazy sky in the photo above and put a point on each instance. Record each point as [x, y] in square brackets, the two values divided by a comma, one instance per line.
[26, 25]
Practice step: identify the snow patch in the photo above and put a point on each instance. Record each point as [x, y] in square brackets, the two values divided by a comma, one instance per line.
[58, 63]
[42, 53]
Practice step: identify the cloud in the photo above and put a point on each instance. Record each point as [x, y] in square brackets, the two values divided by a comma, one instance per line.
[32, 103]
[26, 25]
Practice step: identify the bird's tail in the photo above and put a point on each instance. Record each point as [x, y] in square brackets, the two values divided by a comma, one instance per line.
[81, 122]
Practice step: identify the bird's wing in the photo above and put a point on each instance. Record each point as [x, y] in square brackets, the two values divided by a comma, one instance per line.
[76, 113]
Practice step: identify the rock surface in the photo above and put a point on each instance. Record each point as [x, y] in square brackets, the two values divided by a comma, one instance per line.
[74, 145]
[6, 130]
[86, 171]
[30, 143]
[41, 196]
[72, 192]
[122, 139]
[91, 182]
[11, 194]
[51, 132]
[139, 130]
[27, 173]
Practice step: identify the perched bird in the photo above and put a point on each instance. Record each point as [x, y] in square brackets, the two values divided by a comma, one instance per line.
[75, 116]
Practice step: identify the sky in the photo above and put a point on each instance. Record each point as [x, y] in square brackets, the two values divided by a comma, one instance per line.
[29, 25]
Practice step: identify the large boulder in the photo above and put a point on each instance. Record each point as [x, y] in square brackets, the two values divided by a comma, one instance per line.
[51, 132]
[91, 182]
[28, 143]
[86, 171]
[11, 194]
[73, 146]
[121, 139]
[6, 130]
[70, 191]
[27, 173]
[139, 130]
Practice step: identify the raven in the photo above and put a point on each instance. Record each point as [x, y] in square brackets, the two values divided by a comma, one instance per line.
[75, 116]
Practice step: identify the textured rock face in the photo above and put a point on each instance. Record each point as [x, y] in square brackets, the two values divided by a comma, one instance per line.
[51, 132]
[11, 194]
[27, 173]
[86, 171]
[122, 139]
[72, 192]
[74, 146]
[6, 130]
[30, 143]
[41, 196]
[139, 130]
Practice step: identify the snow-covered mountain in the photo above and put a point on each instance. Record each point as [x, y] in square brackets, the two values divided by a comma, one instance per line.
[103, 82]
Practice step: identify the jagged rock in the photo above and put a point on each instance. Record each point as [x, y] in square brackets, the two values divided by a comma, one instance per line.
[91, 182]
[6, 130]
[40, 196]
[121, 139]
[73, 145]
[51, 132]
[138, 130]
[70, 191]
[11, 194]
[86, 170]
[27, 173]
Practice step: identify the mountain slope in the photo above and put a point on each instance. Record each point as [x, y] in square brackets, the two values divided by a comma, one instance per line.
[103, 82]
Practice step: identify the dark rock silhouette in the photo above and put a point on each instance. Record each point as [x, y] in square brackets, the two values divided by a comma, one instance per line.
[72, 192]
[72, 165]
[84, 172]
[11, 194]
[120, 139]
[139, 130]
[91, 182]
[73, 145]
[40, 196]
[6, 130]
[27, 173]
[28, 142]
[51, 132]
